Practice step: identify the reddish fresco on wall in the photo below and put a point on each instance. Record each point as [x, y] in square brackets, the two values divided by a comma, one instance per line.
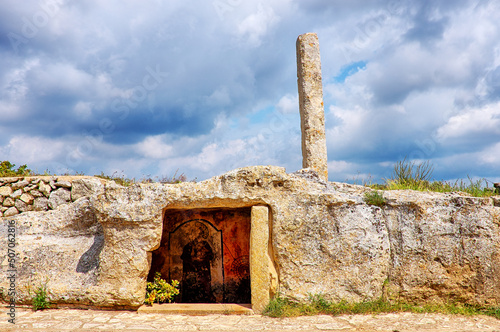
[207, 250]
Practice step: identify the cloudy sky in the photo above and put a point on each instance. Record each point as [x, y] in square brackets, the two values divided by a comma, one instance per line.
[145, 88]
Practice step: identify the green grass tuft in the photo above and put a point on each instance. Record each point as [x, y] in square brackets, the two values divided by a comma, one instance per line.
[375, 198]
[318, 305]
[417, 176]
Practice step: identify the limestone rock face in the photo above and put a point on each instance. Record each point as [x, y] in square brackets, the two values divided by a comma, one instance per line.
[86, 187]
[323, 237]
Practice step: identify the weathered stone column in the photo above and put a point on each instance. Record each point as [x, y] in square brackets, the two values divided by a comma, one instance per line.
[312, 114]
[260, 281]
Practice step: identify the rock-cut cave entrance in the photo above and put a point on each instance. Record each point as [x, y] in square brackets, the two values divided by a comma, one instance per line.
[207, 251]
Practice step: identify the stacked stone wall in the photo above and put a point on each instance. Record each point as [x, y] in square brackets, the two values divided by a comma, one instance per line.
[22, 194]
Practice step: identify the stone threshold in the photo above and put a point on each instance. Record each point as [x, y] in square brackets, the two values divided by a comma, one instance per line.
[197, 309]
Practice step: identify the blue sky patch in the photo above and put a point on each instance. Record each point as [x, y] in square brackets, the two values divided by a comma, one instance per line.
[349, 70]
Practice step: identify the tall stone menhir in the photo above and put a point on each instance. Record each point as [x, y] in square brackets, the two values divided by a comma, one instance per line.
[312, 114]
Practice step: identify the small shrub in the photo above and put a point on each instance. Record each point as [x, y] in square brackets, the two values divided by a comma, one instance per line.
[160, 291]
[375, 198]
[40, 301]
[7, 170]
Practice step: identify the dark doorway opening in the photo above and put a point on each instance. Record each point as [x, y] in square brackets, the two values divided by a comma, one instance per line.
[207, 251]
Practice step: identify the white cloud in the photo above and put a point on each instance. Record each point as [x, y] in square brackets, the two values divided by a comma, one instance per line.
[256, 25]
[288, 104]
[484, 121]
[32, 150]
[154, 147]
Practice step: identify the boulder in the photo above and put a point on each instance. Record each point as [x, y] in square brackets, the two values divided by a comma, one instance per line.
[44, 188]
[8, 201]
[21, 206]
[59, 197]
[5, 191]
[40, 204]
[16, 194]
[26, 198]
[10, 212]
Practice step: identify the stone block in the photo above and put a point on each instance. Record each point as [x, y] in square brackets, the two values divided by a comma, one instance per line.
[27, 198]
[10, 212]
[63, 184]
[22, 206]
[36, 193]
[16, 194]
[59, 197]
[30, 187]
[259, 259]
[19, 185]
[44, 188]
[5, 191]
[41, 204]
[8, 201]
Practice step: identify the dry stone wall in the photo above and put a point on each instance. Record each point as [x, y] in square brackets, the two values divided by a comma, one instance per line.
[22, 194]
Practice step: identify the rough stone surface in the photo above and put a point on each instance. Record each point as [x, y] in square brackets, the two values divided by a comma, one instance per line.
[5, 191]
[59, 197]
[323, 239]
[86, 187]
[40, 204]
[17, 193]
[63, 184]
[22, 206]
[44, 188]
[312, 115]
[27, 198]
[36, 193]
[19, 184]
[10, 212]
[260, 263]
[8, 201]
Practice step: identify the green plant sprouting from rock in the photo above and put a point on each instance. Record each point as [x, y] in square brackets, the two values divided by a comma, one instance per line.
[40, 300]
[160, 291]
[375, 198]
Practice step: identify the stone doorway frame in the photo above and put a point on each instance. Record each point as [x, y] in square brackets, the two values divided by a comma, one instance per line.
[263, 275]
